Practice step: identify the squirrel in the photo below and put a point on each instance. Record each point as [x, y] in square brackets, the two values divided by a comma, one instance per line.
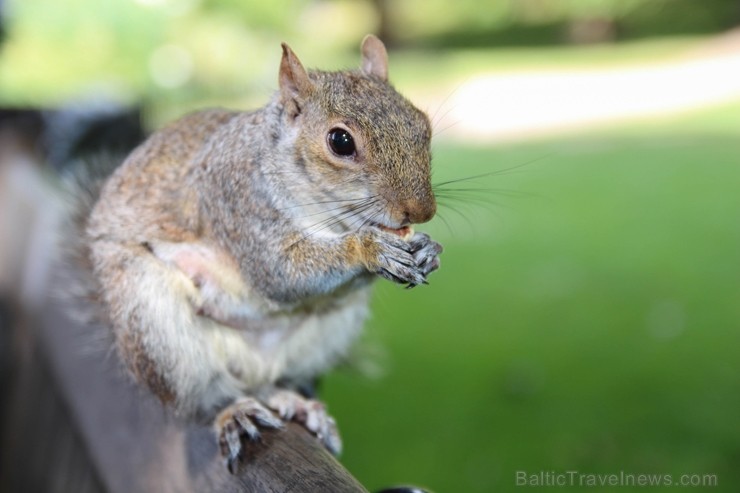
[233, 252]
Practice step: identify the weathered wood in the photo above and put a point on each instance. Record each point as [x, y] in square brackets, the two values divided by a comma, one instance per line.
[40, 450]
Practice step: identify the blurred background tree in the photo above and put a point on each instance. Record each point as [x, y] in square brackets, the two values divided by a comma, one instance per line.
[185, 53]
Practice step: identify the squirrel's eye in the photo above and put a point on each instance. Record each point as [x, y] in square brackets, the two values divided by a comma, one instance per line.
[341, 142]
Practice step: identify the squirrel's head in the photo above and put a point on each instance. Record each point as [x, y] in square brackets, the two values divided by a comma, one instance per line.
[355, 135]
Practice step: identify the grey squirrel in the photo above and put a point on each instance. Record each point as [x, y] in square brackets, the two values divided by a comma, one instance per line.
[233, 252]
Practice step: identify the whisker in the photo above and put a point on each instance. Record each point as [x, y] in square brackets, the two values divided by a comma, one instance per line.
[492, 173]
[459, 213]
[337, 220]
[442, 117]
[488, 204]
[441, 105]
[437, 133]
[507, 192]
[444, 221]
[359, 199]
[332, 221]
[354, 205]
[365, 221]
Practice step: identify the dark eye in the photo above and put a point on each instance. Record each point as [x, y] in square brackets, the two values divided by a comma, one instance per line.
[341, 142]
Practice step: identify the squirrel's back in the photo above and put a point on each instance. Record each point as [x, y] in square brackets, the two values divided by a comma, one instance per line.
[153, 175]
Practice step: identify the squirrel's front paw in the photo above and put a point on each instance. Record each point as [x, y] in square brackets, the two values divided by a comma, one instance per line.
[426, 252]
[239, 420]
[405, 262]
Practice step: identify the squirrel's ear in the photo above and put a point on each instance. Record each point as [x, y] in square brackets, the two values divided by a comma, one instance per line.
[295, 85]
[374, 57]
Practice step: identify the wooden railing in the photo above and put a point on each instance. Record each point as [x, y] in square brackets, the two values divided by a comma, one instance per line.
[77, 417]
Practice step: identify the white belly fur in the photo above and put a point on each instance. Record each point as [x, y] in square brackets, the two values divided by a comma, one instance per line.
[298, 347]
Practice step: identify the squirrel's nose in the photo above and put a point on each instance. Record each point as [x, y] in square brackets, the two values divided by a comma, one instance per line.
[419, 210]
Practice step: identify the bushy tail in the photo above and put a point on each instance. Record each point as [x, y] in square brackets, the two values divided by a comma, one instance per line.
[72, 282]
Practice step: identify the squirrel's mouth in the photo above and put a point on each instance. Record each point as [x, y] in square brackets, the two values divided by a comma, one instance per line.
[405, 232]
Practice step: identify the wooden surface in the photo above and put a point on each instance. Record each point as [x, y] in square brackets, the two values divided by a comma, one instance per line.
[132, 444]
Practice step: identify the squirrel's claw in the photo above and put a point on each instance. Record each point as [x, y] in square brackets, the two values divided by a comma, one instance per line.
[310, 413]
[239, 420]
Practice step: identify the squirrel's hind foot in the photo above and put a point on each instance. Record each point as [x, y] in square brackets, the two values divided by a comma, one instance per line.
[242, 419]
[239, 420]
[310, 413]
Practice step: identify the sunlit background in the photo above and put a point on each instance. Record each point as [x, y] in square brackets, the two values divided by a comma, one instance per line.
[587, 313]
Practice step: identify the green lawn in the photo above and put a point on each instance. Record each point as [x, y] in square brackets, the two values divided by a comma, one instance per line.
[589, 321]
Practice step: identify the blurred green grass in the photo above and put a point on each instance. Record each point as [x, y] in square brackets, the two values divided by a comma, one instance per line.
[590, 321]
